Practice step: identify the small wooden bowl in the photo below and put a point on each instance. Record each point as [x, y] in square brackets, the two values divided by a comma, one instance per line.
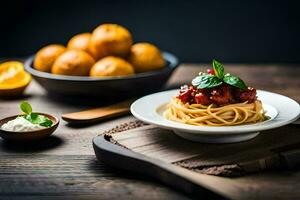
[28, 135]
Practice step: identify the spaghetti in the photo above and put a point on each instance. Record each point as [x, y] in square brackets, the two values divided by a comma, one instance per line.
[228, 115]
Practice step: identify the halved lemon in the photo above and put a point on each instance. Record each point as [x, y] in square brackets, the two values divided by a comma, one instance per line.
[13, 78]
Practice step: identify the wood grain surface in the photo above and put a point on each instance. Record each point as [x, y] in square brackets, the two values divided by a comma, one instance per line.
[162, 144]
[64, 166]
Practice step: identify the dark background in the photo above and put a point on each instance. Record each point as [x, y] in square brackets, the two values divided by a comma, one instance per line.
[196, 31]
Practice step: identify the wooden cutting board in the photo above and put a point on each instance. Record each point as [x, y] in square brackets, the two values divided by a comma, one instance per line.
[163, 155]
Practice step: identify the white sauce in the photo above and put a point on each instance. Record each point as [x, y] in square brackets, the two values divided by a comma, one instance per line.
[20, 124]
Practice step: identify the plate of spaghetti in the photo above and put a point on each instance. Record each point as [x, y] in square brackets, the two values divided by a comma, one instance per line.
[216, 107]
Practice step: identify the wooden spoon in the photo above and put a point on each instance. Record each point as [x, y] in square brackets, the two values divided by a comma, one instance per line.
[97, 114]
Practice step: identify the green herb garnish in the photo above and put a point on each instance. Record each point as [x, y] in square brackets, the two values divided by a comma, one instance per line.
[205, 80]
[26, 107]
[234, 81]
[34, 118]
[218, 68]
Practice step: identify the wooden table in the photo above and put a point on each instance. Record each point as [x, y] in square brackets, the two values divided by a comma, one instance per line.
[64, 166]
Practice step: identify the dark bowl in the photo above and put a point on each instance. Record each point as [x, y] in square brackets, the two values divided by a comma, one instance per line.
[28, 135]
[108, 87]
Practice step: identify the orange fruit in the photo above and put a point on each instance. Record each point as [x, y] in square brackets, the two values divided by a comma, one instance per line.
[13, 78]
[46, 56]
[111, 66]
[73, 63]
[80, 42]
[146, 57]
[110, 40]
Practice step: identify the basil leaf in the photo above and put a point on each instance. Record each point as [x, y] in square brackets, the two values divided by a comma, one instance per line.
[234, 81]
[26, 107]
[31, 117]
[206, 81]
[218, 68]
[34, 116]
[46, 123]
[39, 119]
[196, 81]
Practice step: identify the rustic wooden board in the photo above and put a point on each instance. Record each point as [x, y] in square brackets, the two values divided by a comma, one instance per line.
[162, 144]
[177, 177]
[149, 145]
[55, 163]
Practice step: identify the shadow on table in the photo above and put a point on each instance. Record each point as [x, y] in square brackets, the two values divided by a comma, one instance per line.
[98, 167]
[21, 97]
[36, 146]
[93, 101]
[88, 101]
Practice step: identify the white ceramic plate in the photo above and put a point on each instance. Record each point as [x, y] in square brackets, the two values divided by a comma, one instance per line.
[281, 110]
